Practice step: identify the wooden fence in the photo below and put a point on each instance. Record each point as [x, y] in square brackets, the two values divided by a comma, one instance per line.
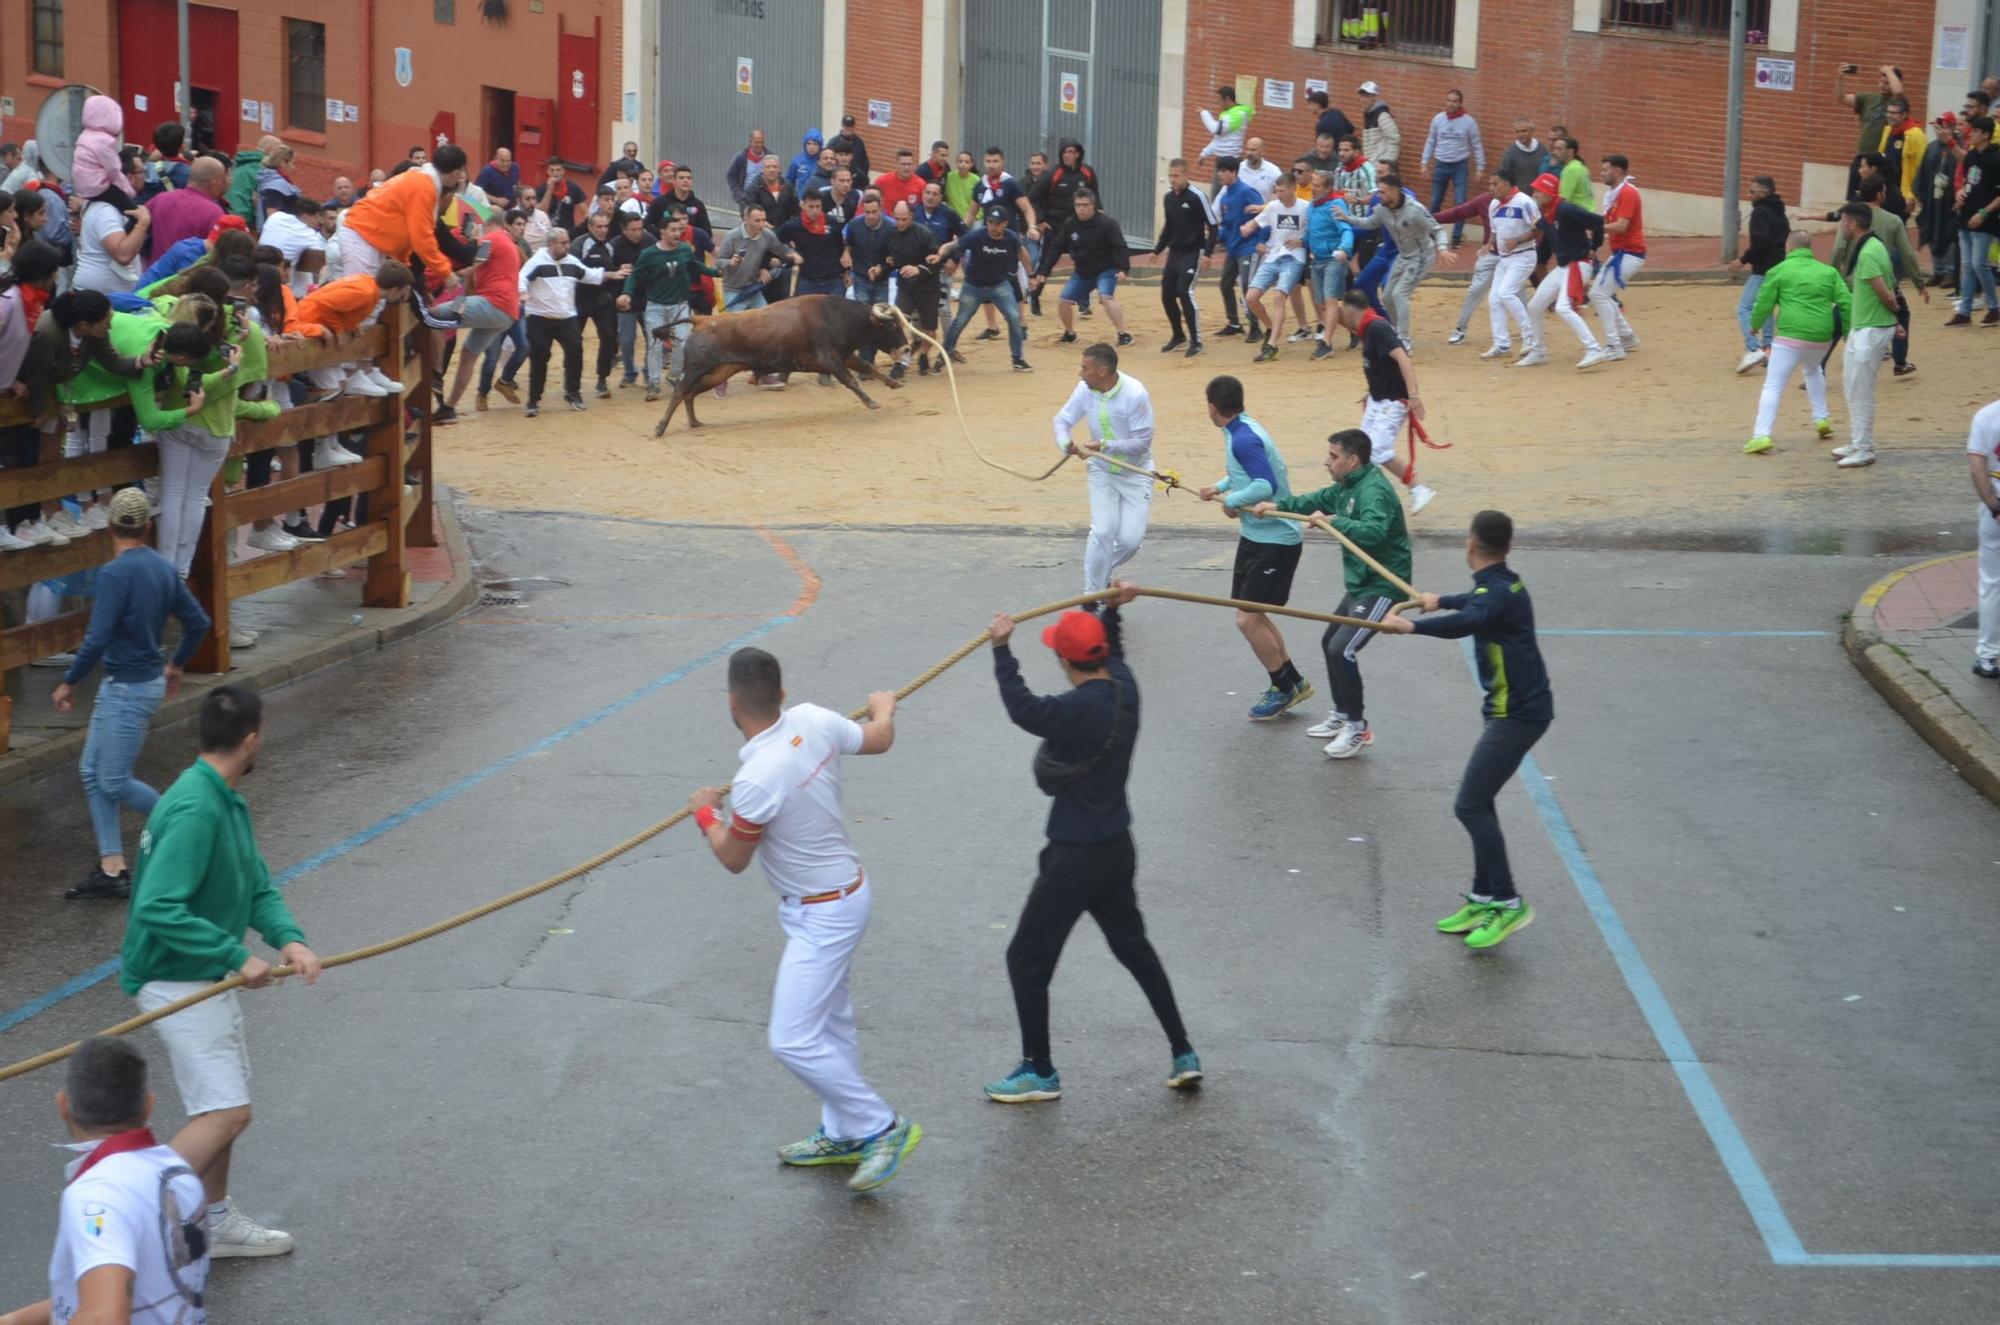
[396, 519]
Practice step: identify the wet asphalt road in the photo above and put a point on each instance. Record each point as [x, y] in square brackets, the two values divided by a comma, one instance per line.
[567, 1111]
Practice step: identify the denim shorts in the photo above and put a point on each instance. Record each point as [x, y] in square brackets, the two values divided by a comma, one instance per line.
[1284, 273]
[1076, 286]
[1329, 279]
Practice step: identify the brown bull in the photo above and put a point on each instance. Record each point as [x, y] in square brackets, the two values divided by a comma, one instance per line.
[813, 333]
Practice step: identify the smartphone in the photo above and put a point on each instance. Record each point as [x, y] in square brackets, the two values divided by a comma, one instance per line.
[159, 343]
[1850, 69]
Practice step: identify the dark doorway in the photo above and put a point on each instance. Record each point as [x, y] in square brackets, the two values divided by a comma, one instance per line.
[496, 122]
[202, 134]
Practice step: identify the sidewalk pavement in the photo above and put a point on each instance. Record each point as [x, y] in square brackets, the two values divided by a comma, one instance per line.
[1912, 635]
[302, 627]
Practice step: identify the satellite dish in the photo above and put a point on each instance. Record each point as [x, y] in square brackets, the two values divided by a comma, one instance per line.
[57, 125]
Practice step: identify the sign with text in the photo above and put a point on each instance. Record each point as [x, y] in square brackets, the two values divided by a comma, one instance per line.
[1777, 75]
[744, 68]
[1072, 92]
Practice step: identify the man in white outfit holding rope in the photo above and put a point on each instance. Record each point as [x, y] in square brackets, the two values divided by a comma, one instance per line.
[1120, 415]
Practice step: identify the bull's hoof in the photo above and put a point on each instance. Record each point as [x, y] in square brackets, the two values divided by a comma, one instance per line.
[660, 431]
[872, 404]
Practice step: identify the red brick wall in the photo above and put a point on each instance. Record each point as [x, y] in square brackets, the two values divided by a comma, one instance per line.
[1661, 102]
[885, 60]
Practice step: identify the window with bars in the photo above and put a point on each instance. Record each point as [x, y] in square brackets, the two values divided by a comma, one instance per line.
[48, 37]
[1685, 18]
[305, 85]
[1420, 27]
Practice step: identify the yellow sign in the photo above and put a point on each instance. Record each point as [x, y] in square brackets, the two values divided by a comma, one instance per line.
[744, 67]
[1246, 89]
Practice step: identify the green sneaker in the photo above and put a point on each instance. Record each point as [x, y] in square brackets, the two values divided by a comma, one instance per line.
[1757, 446]
[819, 1148]
[1468, 917]
[1500, 921]
[1299, 695]
[1824, 427]
[882, 1154]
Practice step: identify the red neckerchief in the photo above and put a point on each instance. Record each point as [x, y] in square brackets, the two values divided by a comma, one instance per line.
[1454, 114]
[33, 301]
[140, 1138]
[1904, 127]
[1355, 164]
[806, 219]
[1367, 317]
[993, 181]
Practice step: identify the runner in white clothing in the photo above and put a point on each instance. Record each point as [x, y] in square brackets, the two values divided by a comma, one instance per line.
[130, 1244]
[1512, 226]
[1982, 447]
[1120, 414]
[786, 812]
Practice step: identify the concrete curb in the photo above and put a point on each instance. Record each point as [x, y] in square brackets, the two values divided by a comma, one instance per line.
[1971, 750]
[455, 597]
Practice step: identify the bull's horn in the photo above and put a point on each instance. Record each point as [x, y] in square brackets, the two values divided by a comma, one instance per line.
[882, 313]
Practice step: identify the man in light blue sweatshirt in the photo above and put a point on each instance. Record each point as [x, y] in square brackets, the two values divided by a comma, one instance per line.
[1267, 547]
[1453, 144]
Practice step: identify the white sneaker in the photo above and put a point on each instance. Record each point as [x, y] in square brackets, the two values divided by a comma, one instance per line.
[1751, 359]
[65, 525]
[96, 517]
[1842, 452]
[360, 384]
[1534, 358]
[272, 539]
[235, 1234]
[240, 638]
[1631, 342]
[331, 452]
[1420, 497]
[11, 542]
[1457, 337]
[151, 487]
[383, 380]
[1592, 358]
[1856, 458]
[1498, 352]
[1351, 741]
[39, 533]
[1321, 731]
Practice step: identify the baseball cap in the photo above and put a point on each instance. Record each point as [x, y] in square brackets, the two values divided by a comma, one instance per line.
[996, 213]
[229, 221]
[130, 511]
[1948, 119]
[1546, 183]
[1369, 89]
[1077, 637]
[847, 121]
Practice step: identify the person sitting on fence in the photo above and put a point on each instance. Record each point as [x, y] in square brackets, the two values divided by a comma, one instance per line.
[344, 307]
[397, 222]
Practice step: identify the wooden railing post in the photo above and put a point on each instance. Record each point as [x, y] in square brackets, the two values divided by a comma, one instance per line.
[388, 581]
[420, 532]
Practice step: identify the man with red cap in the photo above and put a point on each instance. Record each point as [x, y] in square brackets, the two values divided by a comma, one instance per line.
[1086, 755]
[1575, 234]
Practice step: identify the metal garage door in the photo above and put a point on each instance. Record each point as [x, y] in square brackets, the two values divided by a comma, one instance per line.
[1024, 60]
[704, 119]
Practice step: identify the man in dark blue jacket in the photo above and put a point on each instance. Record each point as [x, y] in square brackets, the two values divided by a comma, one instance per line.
[1519, 707]
[1087, 740]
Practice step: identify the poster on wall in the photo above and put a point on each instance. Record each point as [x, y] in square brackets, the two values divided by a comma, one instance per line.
[1777, 75]
[250, 110]
[1278, 94]
[878, 114]
[1954, 44]
[267, 118]
[1246, 89]
[1072, 92]
[1315, 85]
[744, 67]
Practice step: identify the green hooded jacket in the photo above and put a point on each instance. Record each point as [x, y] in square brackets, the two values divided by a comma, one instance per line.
[1806, 292]
[1365, 508]
[242, 199]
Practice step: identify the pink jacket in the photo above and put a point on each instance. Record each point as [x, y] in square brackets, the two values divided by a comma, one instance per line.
[94, 164]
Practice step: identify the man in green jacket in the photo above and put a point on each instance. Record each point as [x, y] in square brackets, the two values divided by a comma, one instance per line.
[661, 278]
[1362, 504]
[1894, 233]
[243, 172]
[1812, 303]
[200, 884]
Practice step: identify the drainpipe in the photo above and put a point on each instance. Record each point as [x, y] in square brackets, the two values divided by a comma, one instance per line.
[367, 90]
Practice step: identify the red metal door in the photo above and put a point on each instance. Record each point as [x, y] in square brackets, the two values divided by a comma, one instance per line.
[148, 27]
[579, 132]
[534, 136]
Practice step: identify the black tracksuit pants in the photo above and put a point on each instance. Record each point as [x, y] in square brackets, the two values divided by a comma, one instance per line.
[1502, 747]
[1342, 646]
[544, 333]
[605, 319]
[1096, 879]
[1177, 290]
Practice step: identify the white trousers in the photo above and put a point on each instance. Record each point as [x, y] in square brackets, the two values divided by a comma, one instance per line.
[1119, 505]
[812, 1012]
[1611, 278]
[1989, 586]
[358, 257]
[1383, 421]
[1482, 282]
[1510, 277]
[1554, 292]
[1858, 370]
[1778, 374]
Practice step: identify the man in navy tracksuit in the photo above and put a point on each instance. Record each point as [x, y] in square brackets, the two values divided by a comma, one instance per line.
[1499, 617]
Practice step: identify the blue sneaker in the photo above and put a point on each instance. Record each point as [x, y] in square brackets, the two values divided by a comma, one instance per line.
[882, 1154]
[1187, 1071]
[819, 1148]
[1273, 702]
[1024, 1085]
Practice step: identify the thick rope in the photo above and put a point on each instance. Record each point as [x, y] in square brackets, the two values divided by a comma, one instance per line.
[910, 330]
[644, 835]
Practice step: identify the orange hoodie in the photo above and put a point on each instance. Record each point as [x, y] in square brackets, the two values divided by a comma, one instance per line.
[399, 218]
[341, 305]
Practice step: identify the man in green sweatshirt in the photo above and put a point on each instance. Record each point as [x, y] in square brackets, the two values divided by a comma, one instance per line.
[1812, 303]
[1362, 504]
[661, 278]
[200, 884]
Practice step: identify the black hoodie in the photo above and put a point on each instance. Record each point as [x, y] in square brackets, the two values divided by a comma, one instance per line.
[1768, 229]
[1095, 246]
[1064, 181]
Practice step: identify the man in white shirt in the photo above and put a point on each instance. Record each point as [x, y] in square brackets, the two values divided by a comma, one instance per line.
[1513, 223]
[1283, 260]
[548, 301]
[1120, 415]
[303, 245]
[130, 1243]
[1225, 124]
[1258, 173]
[1982, 446]
[786, 813]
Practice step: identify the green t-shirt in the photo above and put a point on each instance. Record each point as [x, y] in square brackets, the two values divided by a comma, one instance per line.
[1872, 109]
[1574, 184]
[1868, 308]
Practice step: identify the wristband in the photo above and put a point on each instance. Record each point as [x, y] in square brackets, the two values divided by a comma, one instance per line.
[704, 818]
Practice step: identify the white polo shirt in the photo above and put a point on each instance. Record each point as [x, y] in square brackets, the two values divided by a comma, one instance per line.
[132, 1210]
[789, 786]
[1984, 440]
[1262, 177]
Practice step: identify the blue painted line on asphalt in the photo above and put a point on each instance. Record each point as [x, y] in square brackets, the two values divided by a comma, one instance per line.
[1696, 634]
[105, 970]
[1758, 1196]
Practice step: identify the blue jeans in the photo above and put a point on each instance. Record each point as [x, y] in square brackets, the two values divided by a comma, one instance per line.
[483, 324]
[867, 291]
[1974, 272]
[1369, 282]
[1456, 175]
[1744, 304]
[517, 336]
[742, 301]
[118, 724]
[1001, 296]
[628, 334]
